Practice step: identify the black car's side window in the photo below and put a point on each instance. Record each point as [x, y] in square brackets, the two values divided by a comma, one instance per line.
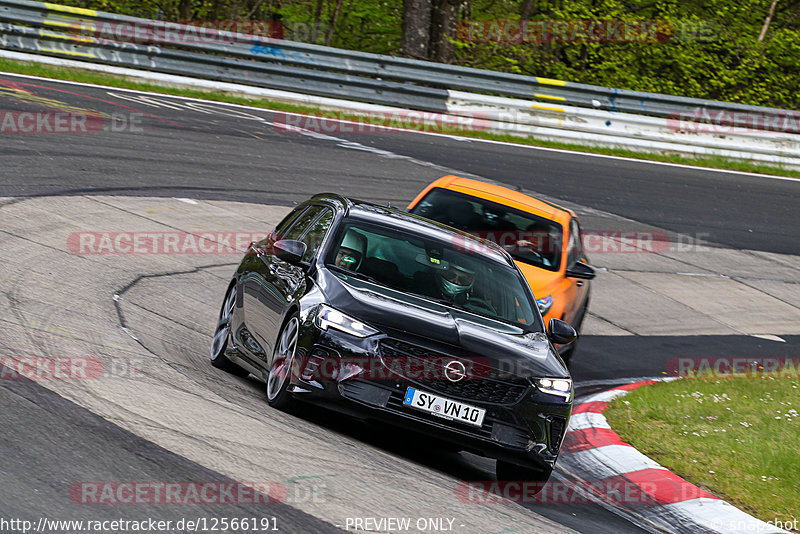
[316, 233]
[287, 221]
[302, 223]
[310, 227]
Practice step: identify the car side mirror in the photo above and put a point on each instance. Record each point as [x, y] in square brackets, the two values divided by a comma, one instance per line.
[581, 270]
[289, 250]
[561, 332]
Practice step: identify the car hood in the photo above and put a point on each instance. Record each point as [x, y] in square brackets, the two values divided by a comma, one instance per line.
[505, 347]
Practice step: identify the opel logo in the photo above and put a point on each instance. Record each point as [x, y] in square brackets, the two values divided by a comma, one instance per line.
[455, 371]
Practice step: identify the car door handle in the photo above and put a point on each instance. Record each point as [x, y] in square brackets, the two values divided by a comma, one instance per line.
[579, 283]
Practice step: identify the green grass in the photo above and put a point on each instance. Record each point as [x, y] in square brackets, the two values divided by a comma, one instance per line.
[87, 76]
[736, 437]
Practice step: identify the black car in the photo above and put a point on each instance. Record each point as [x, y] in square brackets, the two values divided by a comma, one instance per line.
[388, 316]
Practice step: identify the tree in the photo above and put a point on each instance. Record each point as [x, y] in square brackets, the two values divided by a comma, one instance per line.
[444, 24]
[767, 21]
[334, 19]
[416, 28]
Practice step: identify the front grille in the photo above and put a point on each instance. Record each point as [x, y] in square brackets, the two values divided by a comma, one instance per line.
[486, 386]
[390, 398]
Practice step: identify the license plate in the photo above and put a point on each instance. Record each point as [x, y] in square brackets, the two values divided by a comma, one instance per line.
[443, 407]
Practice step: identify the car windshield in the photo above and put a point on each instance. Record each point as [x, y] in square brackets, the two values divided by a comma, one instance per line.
[528, 238]
[453, 274]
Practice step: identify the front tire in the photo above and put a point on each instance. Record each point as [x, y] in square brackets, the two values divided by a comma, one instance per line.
[221, 335]
[283, 361]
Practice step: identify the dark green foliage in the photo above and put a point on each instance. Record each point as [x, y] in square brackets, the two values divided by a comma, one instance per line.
[698, 48]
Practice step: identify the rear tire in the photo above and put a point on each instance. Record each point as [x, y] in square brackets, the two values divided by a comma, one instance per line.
[222, 334]
[283, 362]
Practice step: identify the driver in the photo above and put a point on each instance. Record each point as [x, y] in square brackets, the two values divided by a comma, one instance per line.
[351, 251]
[495, 218]
[455, 281]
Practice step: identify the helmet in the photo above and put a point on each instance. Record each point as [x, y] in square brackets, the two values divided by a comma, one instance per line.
[460, 214]
[455, 280]
[352, 250]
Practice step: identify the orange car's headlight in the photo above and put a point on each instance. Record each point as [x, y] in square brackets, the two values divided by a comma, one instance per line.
[544, 304]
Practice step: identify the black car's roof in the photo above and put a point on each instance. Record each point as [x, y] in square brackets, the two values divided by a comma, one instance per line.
[392, 217]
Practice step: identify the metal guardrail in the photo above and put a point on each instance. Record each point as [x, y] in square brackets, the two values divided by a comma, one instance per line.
[329, 71]
[229, 69]
[610, 128]
[249, 60]
[369, 83]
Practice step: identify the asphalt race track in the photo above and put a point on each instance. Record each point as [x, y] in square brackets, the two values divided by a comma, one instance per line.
[723, 282]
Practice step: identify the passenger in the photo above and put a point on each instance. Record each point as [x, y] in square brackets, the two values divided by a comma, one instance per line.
[459, 214]
[352, 251]
[496, 218]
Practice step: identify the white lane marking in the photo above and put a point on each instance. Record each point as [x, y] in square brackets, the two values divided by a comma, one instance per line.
[450, 136]
[187, 200]
[606, 396]
[199, 107]
[611, 461]
[769, 337]
[716, 515]
[611, 384]
[148, 101]
[344, 143]
[192, 105]
[581, 421]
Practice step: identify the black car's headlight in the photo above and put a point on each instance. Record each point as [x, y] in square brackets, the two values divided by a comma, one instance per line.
[330, 317]
[555, 386]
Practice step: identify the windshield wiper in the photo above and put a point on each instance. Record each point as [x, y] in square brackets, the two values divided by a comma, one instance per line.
[537, 261]
[455, 305]
[354, 274]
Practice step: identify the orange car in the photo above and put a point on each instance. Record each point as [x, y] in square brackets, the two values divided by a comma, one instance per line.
[544, 239]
